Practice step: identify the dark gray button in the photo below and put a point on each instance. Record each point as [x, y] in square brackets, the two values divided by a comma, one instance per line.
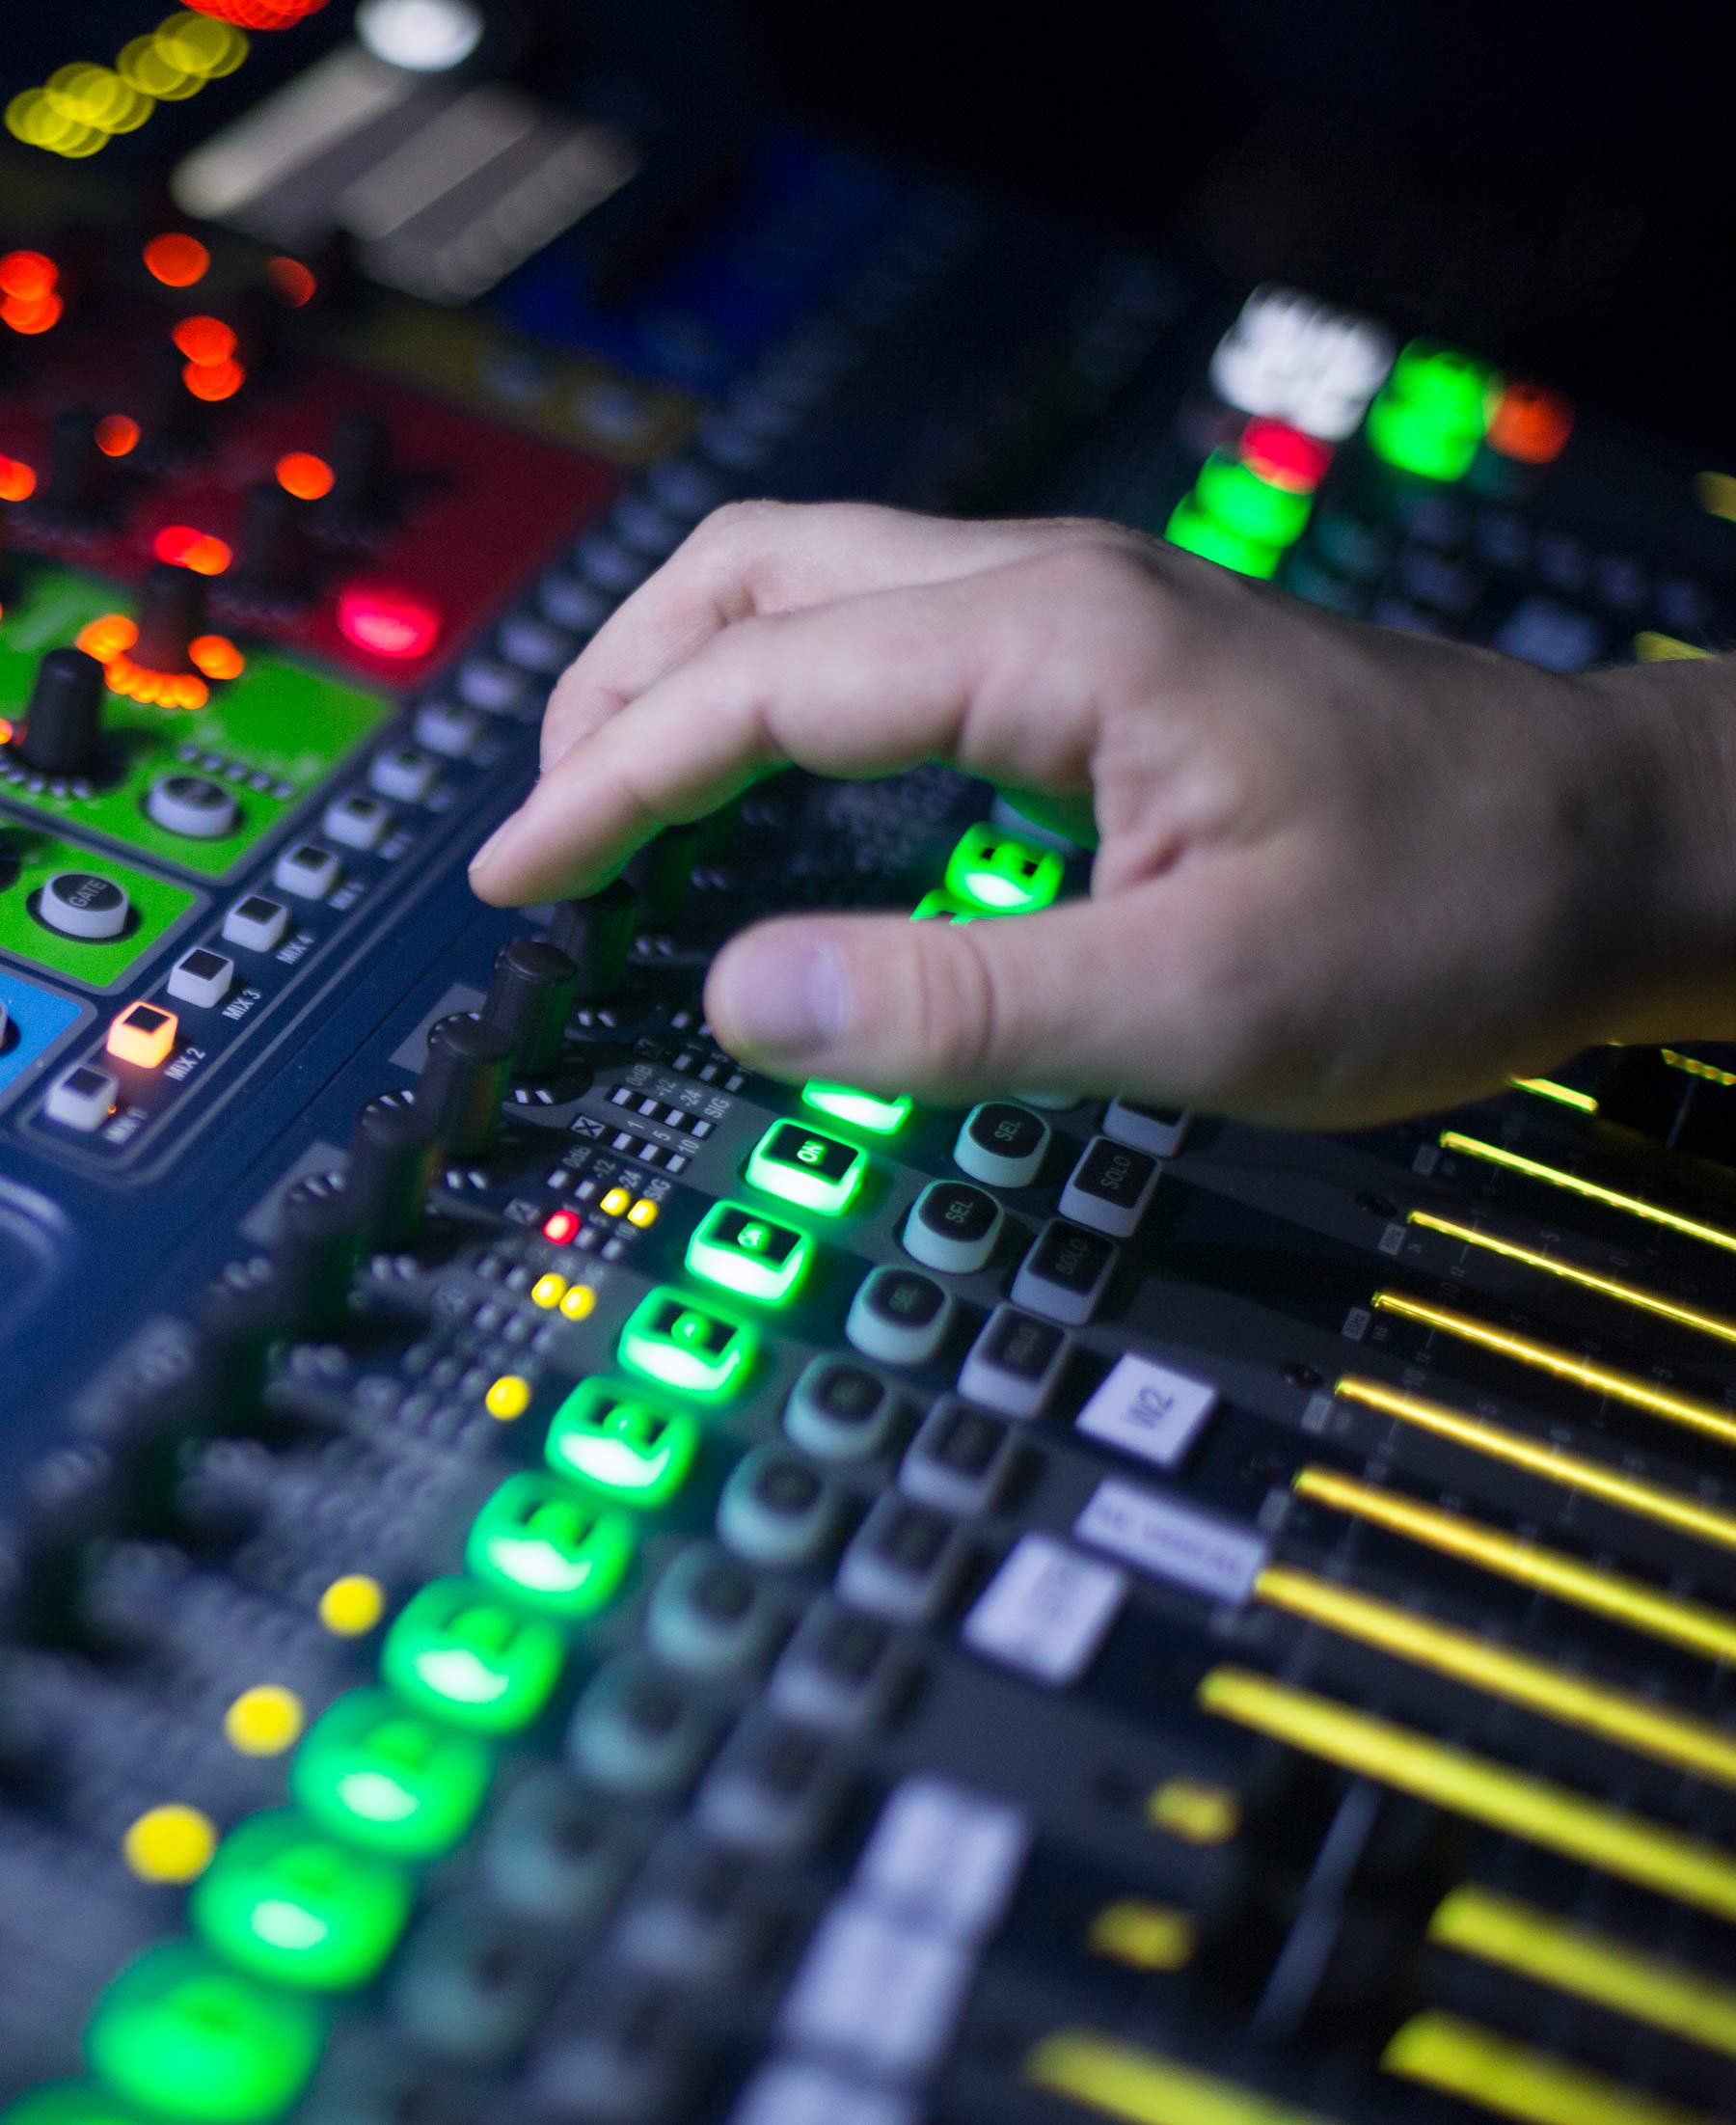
[904, 1563]
[81, 904]
[958, 1461]
[1065, 1272]
[841, 1673]
[1014, 1364]
[840, 1410]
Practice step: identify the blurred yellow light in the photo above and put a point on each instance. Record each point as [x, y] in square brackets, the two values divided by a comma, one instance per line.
[508, 1397]
[580, 1303]
[351, 1606]
[171, 1843]
[548, 1290]
[264, 1721]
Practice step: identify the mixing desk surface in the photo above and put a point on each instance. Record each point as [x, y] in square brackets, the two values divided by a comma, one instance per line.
[549, 1578]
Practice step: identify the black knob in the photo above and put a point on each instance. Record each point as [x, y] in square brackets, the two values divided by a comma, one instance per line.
[363, 494]
[529, 1000]
[596, 934]
[172, 614]
[274, 544]
[63, 725]
[312, 1263]
[466, 1073]
[392, 1153]
[77, 480]
[663, 871]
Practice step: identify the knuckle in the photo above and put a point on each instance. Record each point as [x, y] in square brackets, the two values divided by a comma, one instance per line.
[955, 1004]
[736, 525]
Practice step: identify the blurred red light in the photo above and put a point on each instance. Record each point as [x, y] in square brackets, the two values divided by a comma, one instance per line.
[177, 261]
[27, 274]
[117, 433]
[32, 314]
[206, 341]
[291, 280]
[1529, 424]
[17, 480]
[185, 548]
[1284, 457]
[386, 620]
[308, 479]
[213, 381]
[562, 1226]
[258, 14]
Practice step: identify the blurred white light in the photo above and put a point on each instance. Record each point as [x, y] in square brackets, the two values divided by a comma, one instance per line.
[426, 36]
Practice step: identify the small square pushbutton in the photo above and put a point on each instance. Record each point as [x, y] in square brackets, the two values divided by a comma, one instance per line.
[673, 1340]
[256, 923]
[307, 870]
[749, 1254]
[200, 977]
[800, 1165]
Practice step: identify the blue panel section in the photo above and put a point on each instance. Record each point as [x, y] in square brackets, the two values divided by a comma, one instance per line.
[36, 1019]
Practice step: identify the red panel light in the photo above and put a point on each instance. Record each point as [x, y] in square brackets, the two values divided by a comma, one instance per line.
[291, 282]
[386, 620]
[117, 433]
[562, 1226]
[177, 261]
[213, 381]
[258, 14]
[206, 341]
[1529, 424]
[1284, 457]
[27, 274]
[185, 548]
[308, 479]
[32, 314]
[17, 480]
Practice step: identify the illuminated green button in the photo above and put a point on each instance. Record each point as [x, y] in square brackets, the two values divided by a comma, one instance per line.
[1196, 533]
[1002, 872]
[619, 1443]
[291, 1905]
[861, 1109]
[1235, 495]
[180, 2034]
[1443, 382]
[1413, 439]
[939, 906]
[372, 1770]
[819, 1173]
[67, 2104]
[749, 1254]
[677, 1342]
[549, 1545]
[467, 1658]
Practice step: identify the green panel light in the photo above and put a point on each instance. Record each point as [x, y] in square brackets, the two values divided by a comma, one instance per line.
[1196, 533]
[385, 1777]
[1235, 495]
[868, 1110]
[939, 906]
[1002, 873]
[67, 2104]
[1432, 411]
[617, 1442]
[803, 1167]
[294, 1906]
[470, 1659]
[182, 2037]
[749, 1254]
[680, 1344]
[547, 1545]
[1412, 439]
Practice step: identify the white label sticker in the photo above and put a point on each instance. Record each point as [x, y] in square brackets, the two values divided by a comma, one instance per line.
[1046, 1611]
[1207, 1556]
[877, 1991]
[945, 1857]
[1148, 1409]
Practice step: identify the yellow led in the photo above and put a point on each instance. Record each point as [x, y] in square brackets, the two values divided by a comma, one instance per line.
[1716, 493]
[1652, 648]
[1555, 1464]
[1684, 1409]
[1591, 1966]
[1564, 1095]
[1612, 1715]
[351, 1606]
[264, 1721]
[578, 1303]
[1695, 1067]
[614, 1202]
[643, 1213]
[1145, 1936]
[1678, 1622]
[1517, 2082]
[1117, 2079]
[1635, 1206]
[1545, 1815]
[1608, 1287]
[1193, 1810]
[171, 1843]
[508, 1397]
[548, 1290]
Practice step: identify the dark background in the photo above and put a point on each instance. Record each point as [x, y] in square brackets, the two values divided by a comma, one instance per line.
[1550, 185]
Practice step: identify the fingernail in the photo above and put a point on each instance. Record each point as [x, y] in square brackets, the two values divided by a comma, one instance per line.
[491, 844]
[780, 997]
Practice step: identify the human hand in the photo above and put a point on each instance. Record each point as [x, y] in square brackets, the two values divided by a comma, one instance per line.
[1343, 873]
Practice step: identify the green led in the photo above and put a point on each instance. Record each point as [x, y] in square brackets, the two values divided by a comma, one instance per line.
[181, 2036]
[549, 1545]
[1003, 873]
[1443, 383]
[868, 1110]
[470, 1659]
[815, 1172]
[680, 1344]
[67, 2102]
[291, 1905]
[1235, 495]
[939, 906]
[613, 1439]
[387, 1777]
[749, 1254]
[1412, 438]
[1196, 533]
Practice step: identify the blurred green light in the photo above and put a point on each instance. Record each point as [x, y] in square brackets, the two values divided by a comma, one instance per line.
[939, 906]
[470, 1659]
[550, 1547]
[1238, 498]
[67, 2102]
[375, 1772]
[1196, 533]
[1412, 439]
[1442, 382]
[867, 1111]
[749, 1254]
[613, 1439]
[1002, 873]
[680, 1344]
[296, 1907]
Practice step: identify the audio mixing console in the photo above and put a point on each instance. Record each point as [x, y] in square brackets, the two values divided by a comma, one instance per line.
[547, 1577]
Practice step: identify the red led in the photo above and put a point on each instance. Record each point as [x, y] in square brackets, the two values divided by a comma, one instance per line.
[117, 433]
[387, 621]
[213, 381]
[32, 314]
[206, 341]
[291, 282]
[562, 1226]
[18, 479]
[308, 479]
[1529, 424]
[177, 261]
[1284, 457]
[27, 275]
[185, 548]
[258, 14]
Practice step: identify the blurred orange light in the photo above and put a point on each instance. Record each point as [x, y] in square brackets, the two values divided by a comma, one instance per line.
[213, 381]
[27, 274]
[155, 688]
[186, 548]
[177, 261]
[117, 433]
[206, 341]
[17, 482]
[1529, 424]
[105, 639]
[260, 15]
[293, 281]
[32, 314]
[217, 657]
[304, 476]
[5, 730]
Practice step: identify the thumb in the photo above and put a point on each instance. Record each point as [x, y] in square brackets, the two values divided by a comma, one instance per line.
[943, 1011]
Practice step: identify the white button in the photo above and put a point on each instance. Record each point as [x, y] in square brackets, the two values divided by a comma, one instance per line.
[1002, 1144]
[871, 1990]
[796, 2091]
[1014, 1364]
[201, 976]
[1046, 1611]
[899, 1317]
[193, 805]
[256, 922]
[1215, 1559]
[355, 821]
[82, 1097]
[1148, 1409]
[1111, 1187]
[485, 682]
[945, 1857]
[534, 644]
[447, 730]
[1158, 1130]
[307, 870]
[403, 772]
[82, 904]
[952, 1226]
